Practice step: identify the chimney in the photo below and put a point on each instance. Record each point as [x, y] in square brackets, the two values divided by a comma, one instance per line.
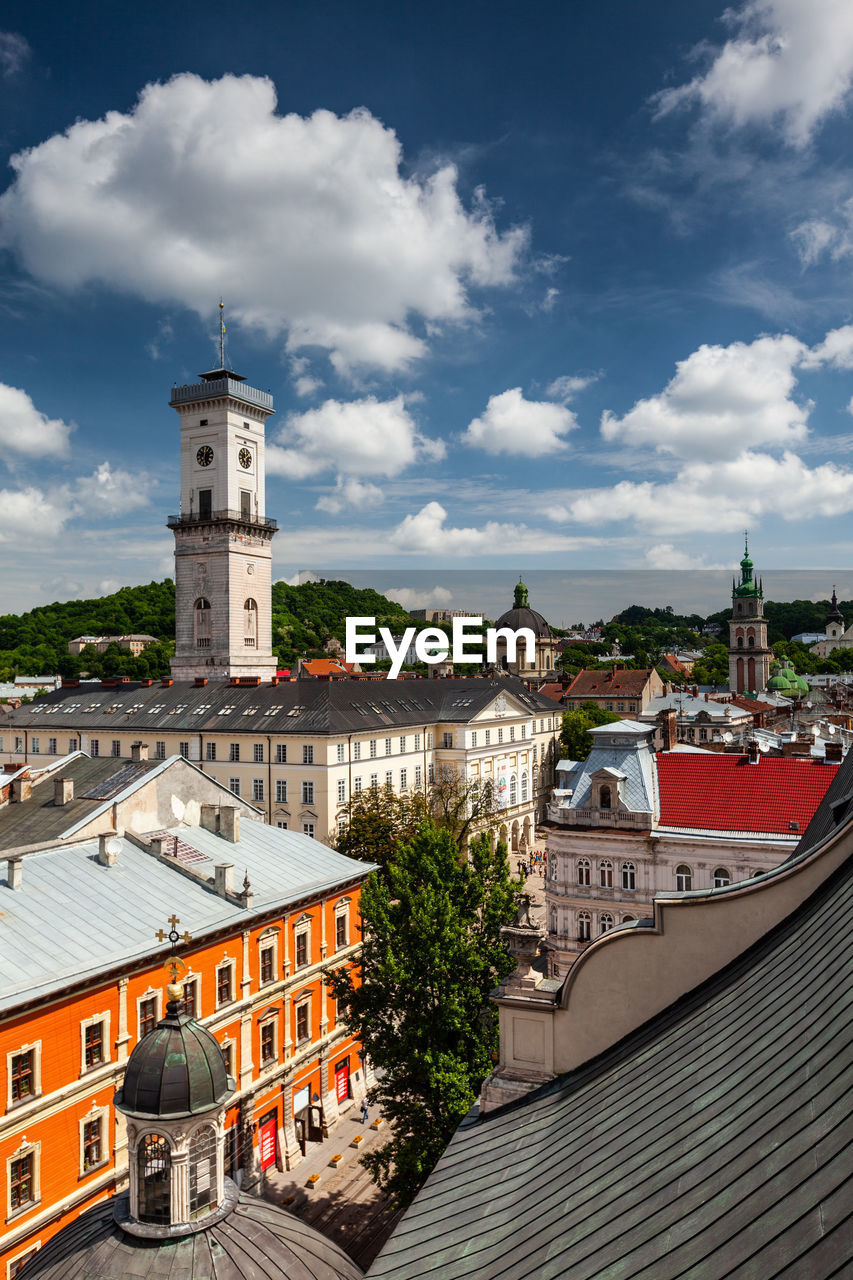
[108, 849]
[833, 751]
[210, 817]
[200, 682]
[753, 752]
[14, 872]
[229, 823]
[223, 879]
[20, 790]
[63, 791]
[668, 720]
[138, 752]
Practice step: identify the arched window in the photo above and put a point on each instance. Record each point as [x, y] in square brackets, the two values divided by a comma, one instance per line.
[201, 617]
[584, 926]
[740, 642]
[524, 788]
[683, 877]
[628, 919]
[513, 790]
[203, 1179]
[584, 871]
[250, 624]
[606, 921]
[629, 875]
[154, 1177]
[605, 874]
[721, 878]
[751, 642]
[604, 800]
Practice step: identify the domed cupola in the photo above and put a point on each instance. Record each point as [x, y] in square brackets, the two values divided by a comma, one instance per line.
[521, 615]
[542, 651]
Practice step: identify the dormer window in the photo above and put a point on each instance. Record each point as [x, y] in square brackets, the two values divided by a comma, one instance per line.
[605, 798]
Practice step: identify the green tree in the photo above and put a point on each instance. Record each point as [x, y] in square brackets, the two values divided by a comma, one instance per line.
[418, 999]
[575, 739]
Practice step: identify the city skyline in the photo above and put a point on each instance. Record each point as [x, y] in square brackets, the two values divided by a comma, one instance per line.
[552, 291]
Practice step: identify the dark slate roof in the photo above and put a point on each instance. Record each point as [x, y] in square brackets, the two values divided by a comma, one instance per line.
[177, 1069]
[38, 819]
[300, 707]
[257, 1241]
[524, 616]
[716, 1140]
[836, 810]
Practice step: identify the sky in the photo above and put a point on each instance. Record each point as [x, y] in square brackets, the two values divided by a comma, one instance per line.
[556, 287]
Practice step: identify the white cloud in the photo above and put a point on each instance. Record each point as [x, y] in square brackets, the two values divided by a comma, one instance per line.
[835, 350]
[718, 496]
[14, 54]
[789, 62]
[720, 401]
[528, 428]
[25, 430]
[566, 387]
[427, 533]
[30, 514]
[306, 226]
[304, 575]
[666, 556]
[109, 493]
[414, 598]
[358, 494]
[366, 437]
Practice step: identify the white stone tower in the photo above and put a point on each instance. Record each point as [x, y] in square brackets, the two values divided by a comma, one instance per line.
[223, 553]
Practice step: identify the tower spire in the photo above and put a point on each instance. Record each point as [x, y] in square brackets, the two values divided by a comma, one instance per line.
[221, 334]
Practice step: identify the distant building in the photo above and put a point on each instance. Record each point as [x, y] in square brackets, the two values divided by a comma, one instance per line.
[624, 690]
[133, 644]
[749, 653]
[835, 635]
[545, 642]
[439, 615]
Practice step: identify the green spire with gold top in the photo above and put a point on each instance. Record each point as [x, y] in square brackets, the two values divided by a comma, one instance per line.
[748, 586]
[520, 600]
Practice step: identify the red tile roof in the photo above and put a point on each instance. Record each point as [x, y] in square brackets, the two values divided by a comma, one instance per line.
[622, 681]
[753, 705]
[320, 667]
[553, 691]
[674, 664]
[727, 793]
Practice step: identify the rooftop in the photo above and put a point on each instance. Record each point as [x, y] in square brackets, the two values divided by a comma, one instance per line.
[728, 793]
[621, 682]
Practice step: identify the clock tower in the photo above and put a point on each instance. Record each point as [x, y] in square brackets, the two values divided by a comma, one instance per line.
[223, 553]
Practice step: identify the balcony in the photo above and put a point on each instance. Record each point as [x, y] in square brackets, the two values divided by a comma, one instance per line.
[599, 817]
[213, 517]
[221, 387]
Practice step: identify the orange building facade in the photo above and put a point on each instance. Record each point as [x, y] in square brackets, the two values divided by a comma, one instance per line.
[256, 982]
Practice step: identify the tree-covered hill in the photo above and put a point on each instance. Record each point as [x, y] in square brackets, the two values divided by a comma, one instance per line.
[305, 617]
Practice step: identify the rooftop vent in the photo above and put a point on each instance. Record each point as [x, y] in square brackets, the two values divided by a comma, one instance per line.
[14, 872]
[63, 791]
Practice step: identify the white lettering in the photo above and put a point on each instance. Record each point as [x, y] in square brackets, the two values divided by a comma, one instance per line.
[464, 630]
[431, 645]
[511, 638]
[354, 637]
[396, 653]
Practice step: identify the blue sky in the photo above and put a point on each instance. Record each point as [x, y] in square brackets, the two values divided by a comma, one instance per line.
[563, 286]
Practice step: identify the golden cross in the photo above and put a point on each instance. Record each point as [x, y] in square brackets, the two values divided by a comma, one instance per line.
[174, 964]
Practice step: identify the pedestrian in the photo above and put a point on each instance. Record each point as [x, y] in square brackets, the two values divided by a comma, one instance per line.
[365, 1111]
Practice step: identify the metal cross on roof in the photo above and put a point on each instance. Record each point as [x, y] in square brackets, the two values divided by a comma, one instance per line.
[174, 963]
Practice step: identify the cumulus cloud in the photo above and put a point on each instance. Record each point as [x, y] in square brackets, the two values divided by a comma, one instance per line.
[306, 225]
[26, 430]
[427, 532]
[721, 400]
[41, 513]
[528, 428]
[14, 54]
[366, 437]
[414, 598]
[30, 513]
[108, 492]
[357, 494]
[565, 388]
[788, 63]
[664, 555]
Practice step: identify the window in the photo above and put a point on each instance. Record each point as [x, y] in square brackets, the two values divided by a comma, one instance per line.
[189, 1004]
[387, 746]
[629, 875]
[584, 876]
[524, 731]
[22, 1181]
[258, 752]
[513, 790]
[356, 751]
[92, 1145]
[419, 776]
[431, 774]
[281, 824]
[620, 706]
[550, 722]
[203, 1179]
[93, 1044]
[302, 948]
[116, 748]
[683, 878]
[308, 793]
[302, 1027]
[228, 1056]
[234, 786]
[160, 750]
[447, 740]
[281, 753]
[94, 746]
[268, 1054]
[23, 1072]
[609, 706]
[234, 751]
[500, 735]
[356, 786]
[605, 874]
[488, 737]
[474, 738]
[605, 799]
[402, 742]
[17, 1264]
[340, 930]
[210, 751]
[201, 619]
[389, 780]
[257, 788]
[721, 878]
[512, 733]
[147, 1015]
[267, 965]
[342, 790]
[372, 748]
[341, 750]
[606, 921]
[308, 755]
[281, 791]
[703, 735]
[224, 984]
[524, 788]
[51, 746]
[553, 919]
[374, 780]
[72, 744]
[308, 829]
[154, 1178]
[417, 742]
[404, 785]
[250, 609]
[584, 926]
[183, 748]
[628, 919]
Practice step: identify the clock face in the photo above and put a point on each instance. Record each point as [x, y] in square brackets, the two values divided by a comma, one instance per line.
[245, 457]
[204, 457]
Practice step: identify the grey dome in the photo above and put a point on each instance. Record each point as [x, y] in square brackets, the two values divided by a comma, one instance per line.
[521, 615]
[176, 1070]
[255, 1239]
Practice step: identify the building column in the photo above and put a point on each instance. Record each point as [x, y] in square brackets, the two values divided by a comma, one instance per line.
[290, 1149]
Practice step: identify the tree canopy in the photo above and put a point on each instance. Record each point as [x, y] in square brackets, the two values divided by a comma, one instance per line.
[418, 999]
[575, 738]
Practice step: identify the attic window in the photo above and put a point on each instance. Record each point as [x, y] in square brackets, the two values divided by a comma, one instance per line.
[161, 706]
[793, 826]
[226, 711]
[296, 711]
[200, 710]
[250, 711]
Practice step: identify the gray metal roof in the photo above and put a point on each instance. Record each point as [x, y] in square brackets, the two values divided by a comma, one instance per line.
[301, 707]
[687, 706]
[74, 917]
[715, 1141]
[633, 759]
